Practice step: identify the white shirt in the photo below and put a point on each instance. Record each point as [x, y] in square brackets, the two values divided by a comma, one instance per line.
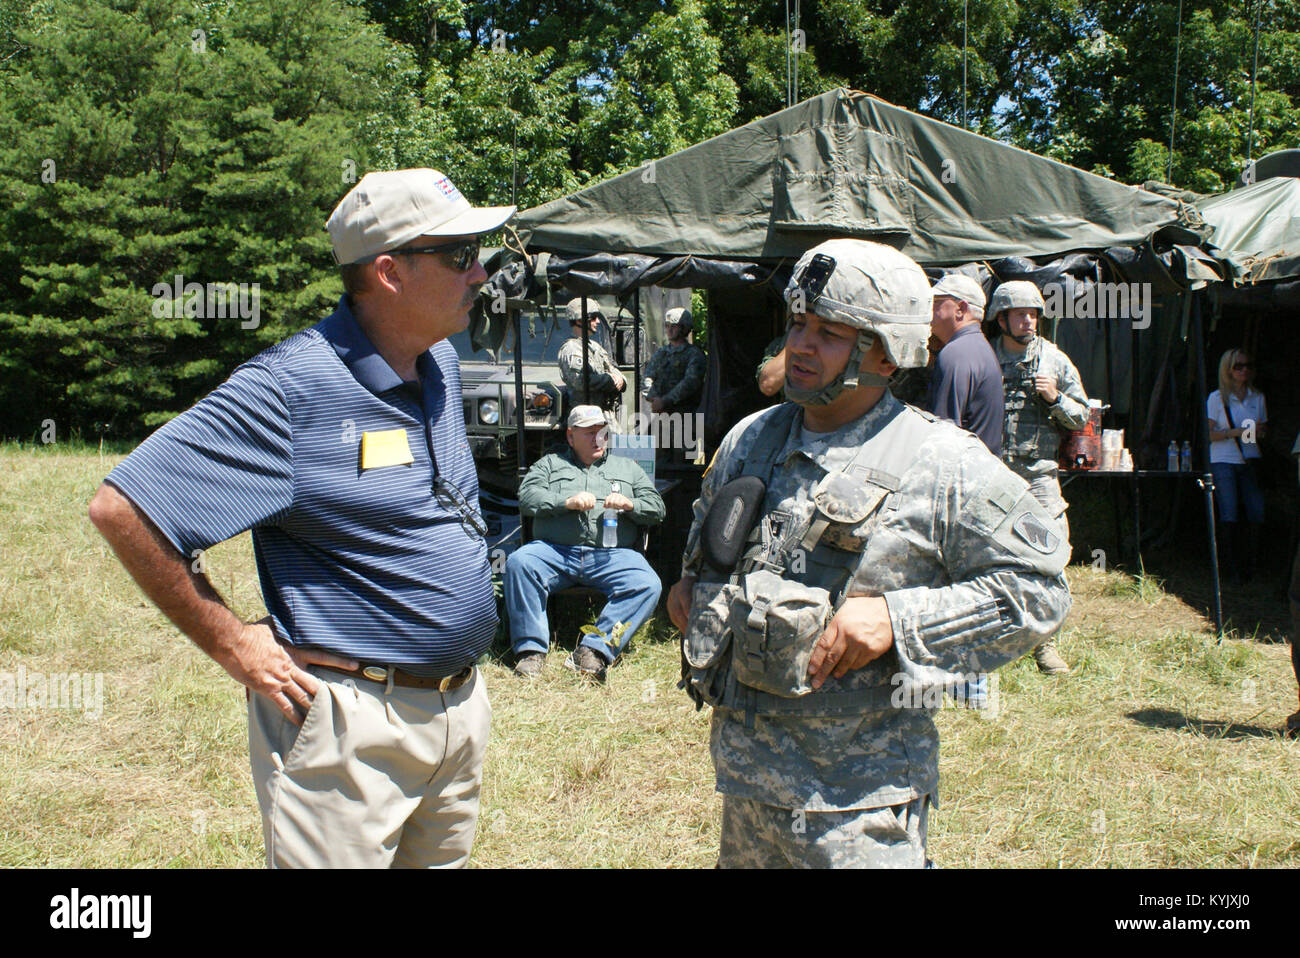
[1250, 409]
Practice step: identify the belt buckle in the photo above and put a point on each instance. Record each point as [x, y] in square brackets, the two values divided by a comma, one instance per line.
[459, 679]
[375, 673]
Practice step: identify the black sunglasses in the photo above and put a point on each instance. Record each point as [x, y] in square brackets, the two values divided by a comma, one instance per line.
[1243, 365]
[466, 252]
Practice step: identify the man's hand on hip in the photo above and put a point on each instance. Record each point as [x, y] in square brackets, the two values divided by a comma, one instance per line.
[580, 502]
[277, 671]
[679, 602]
[859, 633]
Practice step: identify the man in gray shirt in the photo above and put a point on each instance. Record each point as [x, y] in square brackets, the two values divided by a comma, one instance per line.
[966, 384]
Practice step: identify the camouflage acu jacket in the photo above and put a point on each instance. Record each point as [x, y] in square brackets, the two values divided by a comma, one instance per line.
[1030, 439]
[971, 574]
[603, 391]
[675, 374]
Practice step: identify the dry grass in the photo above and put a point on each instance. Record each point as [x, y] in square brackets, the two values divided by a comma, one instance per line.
[1160, 750]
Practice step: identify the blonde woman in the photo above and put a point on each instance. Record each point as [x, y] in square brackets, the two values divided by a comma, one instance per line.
[1237, 416]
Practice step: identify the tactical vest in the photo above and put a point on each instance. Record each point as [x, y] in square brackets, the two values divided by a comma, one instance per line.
[750, 638]
[1028, 431]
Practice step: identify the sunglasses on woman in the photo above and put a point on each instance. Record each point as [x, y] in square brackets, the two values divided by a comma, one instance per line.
[1243, 365]
[464, 253]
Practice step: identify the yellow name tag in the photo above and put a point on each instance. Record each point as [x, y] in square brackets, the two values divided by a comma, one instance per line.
[386, 448]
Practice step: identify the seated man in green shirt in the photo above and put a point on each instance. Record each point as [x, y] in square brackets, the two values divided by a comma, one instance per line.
[567, 494]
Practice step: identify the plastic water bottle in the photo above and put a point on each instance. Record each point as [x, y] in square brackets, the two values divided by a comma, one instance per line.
[1185, 461]
[1171, 458]
[609, 529]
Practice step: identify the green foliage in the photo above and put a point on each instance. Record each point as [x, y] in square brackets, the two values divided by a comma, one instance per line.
[155, 141]
[219, 160]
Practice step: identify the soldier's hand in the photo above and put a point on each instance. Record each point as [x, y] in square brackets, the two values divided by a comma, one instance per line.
[679, 602]
[859, 633]
[618, 501]
[267, 667]
[580, 502]
[658, 405]
[1046, 387]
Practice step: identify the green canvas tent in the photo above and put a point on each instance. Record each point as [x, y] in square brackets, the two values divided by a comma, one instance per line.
[1257, 229]
[848, 164]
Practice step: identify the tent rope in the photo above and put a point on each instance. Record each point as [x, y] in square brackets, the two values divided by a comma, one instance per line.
[518, 246]
[1173, 109]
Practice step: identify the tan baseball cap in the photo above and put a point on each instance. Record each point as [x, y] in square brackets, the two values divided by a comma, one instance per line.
[962, 287]
[388, 209]
[581, 416]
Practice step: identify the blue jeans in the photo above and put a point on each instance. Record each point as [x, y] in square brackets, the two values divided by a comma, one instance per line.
[1235, 486]
[536, 570]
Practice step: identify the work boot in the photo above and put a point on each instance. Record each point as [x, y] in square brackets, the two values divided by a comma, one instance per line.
[586, 662]
[529, 665]
[1049, 660]
[1292, 729]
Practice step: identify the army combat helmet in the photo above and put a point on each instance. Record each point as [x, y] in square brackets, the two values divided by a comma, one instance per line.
[878, 291]
[679, 316]
[1016, 294]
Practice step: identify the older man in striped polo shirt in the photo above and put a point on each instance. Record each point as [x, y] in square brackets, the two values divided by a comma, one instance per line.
[343, 448]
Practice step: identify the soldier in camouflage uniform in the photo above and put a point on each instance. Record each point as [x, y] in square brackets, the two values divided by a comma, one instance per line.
[606, 380]
[673, 380]
[891, 555]
[1042, 391]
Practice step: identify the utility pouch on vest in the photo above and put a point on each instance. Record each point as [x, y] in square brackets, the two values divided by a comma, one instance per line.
[707, 641]
[774, 624]
[732, 515]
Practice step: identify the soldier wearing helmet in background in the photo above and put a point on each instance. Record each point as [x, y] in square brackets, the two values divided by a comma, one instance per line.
[603, 376]
[851, 558]
[673, 380]
[1042, 391]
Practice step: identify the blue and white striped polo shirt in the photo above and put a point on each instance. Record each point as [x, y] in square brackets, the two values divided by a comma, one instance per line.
[382, 564]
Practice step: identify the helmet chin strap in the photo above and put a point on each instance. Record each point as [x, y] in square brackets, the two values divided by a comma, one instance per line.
[1024, 340]
[845, 380]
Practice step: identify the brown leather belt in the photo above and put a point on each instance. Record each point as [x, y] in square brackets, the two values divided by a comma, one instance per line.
[381, 673]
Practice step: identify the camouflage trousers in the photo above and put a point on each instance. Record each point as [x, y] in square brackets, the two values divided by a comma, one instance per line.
[1047, 490]
[755, 835]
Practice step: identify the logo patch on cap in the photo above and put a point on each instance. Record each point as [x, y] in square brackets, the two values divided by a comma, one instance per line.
[447, 188]
[1040, 538]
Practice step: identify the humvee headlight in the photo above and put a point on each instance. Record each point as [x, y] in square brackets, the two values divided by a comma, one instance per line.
[489, 411]
[541, 400]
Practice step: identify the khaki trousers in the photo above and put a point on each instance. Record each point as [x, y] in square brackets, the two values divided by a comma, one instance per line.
[376, 777]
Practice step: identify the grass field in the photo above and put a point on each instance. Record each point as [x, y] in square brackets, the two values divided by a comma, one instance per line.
[1160, 750]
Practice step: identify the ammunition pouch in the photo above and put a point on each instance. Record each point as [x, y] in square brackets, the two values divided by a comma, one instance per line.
[764, 627]
[706, 643]
[775, 623]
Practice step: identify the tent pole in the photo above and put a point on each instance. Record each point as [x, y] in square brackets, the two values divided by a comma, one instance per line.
[1203, 444]
[586, 359]
[636, 350]
[521, 468]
